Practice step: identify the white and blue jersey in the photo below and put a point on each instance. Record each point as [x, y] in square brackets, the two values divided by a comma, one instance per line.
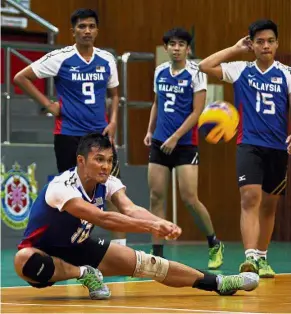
[262, 101]
[81, 88]
[175, 98]
[50, 225]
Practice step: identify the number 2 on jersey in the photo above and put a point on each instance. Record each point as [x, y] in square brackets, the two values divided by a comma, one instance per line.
[88, 90]
[170, 102]
[266, 100]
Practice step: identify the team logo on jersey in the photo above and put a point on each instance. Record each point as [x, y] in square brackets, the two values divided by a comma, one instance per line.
[162, 80]
[75, 69]
[18, 191]
[99, 201]
[277, 80]
[182, 82]
[100, 68]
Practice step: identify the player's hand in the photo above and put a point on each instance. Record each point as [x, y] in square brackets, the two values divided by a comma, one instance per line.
[288, 141]
[244, 44]
[110, 131]
[54, 108]
[177, 231]
[148, 139]
[169, 145]
[161, 228]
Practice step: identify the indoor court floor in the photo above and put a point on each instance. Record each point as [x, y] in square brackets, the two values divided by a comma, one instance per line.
[132, 296]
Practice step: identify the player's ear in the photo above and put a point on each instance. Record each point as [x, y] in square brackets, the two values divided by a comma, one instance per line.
[166, 47]
[73, 32]
[80, 160]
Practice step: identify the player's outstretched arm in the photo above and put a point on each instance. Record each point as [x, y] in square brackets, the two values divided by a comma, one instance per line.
[24, 80]
[211, 65]
[115, 221]
[128, 208]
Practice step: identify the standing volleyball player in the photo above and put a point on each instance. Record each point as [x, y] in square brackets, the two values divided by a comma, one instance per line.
[180, 92]
[83, 76]
[262, 91]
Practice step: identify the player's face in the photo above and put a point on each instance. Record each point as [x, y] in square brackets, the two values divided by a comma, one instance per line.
[98, 164]
[177, 49]
[265, 45]
[85, 31]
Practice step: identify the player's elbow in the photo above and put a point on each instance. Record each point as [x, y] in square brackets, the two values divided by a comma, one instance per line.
[18, 78]
[204, 67]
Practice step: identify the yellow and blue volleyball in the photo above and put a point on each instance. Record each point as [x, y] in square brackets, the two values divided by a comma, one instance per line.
[218, 122]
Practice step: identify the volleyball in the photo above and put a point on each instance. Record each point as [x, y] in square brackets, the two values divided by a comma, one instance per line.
[218, 122]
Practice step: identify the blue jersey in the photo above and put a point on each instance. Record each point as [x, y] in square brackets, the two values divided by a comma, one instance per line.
[81, 87]
[50, 225]
[262, 101]
[175, 98]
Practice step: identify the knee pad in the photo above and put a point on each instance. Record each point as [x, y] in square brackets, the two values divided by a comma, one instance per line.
[150, 266]
[39, 268]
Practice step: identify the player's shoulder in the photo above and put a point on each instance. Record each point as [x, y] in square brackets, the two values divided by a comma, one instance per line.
[192, 66]
[112, 180]
[283, 67]
[67, 178]
[162, 67]
[60, 54]
[104, 54]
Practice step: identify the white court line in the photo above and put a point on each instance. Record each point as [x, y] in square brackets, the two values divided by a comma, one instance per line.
[108, 283]
[127, 307]
[78, 284]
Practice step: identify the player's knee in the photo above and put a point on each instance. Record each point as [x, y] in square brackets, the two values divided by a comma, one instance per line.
[157, 197]
[250, 199]
[150, 266]
[189, 198]
[37, 267]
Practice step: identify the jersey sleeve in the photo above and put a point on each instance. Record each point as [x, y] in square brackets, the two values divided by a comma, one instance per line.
[231, 71]
[155, 81]
[199, 82]
[48, 65]
[288, 80]
[58, 193]
[113, 185]
[113, 79]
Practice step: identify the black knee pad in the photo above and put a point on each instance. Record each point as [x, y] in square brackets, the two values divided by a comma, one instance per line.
[39, 268]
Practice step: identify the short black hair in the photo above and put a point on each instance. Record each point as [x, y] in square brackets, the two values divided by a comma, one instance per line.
[93, 140]
[177, 32]
[262, 25]
[83, 14]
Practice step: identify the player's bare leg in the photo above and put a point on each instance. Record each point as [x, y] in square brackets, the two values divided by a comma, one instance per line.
[251, 196]
[267, 221]
[158, 180]
[120, 260]
[35, 266]
[118, 237]
[188, 186]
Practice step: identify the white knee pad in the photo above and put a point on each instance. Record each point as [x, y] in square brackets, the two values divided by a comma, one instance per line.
[150, 266]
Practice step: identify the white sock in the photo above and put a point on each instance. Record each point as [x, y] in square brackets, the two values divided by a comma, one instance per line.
[251, 253]
[82, 270]
[262, 254]
[119, 241]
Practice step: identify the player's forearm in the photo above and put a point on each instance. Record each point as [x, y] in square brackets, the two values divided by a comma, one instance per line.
[153, 119]
[141, 213]
[187, 125]
[122, 223]
[217, 58]
[114, 109]
[28, 87]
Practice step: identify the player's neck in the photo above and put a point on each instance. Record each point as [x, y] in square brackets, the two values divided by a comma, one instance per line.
[178, 66]
[85, 51]
[264, 65]
[88, 185]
